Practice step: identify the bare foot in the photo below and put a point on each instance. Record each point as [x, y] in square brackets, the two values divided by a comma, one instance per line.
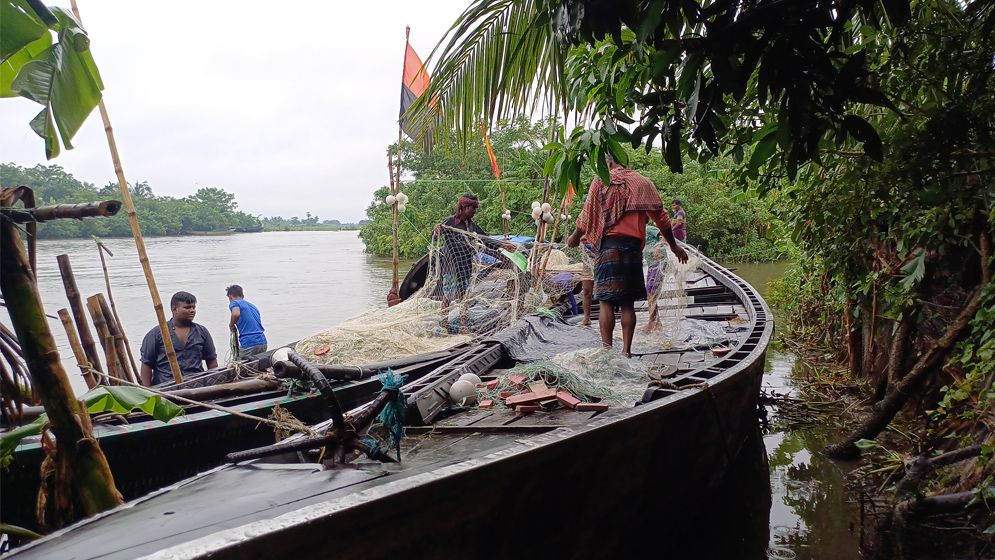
[585, 323]
[650, 327]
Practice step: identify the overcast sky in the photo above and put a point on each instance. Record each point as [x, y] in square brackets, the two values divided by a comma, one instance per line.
[288, 105]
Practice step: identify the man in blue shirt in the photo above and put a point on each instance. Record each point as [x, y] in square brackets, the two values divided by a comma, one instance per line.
[246, 322]
[192, 342]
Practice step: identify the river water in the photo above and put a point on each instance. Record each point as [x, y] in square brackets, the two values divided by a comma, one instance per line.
[305, 281]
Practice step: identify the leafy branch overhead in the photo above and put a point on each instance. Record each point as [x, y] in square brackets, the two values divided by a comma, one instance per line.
[60, 75]
[777, 79]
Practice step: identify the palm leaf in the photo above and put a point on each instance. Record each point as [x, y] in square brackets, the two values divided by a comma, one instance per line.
[500, 57]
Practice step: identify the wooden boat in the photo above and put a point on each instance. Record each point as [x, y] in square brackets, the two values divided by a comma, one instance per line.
[479, 483]
[146, 454]
[247, 229]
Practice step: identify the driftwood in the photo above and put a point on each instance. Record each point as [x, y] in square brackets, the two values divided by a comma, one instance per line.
[885, 410]
[106, 208]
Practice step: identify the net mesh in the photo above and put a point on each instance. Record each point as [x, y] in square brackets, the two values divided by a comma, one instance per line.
[474, 286]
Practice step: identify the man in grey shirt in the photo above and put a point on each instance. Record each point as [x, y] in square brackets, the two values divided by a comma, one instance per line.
[192, 342]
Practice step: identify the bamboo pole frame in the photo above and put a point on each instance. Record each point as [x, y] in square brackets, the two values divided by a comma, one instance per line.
[120, 341]
[136, 231]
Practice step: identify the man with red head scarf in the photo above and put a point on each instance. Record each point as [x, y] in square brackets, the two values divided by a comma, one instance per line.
[614, 222]
[457, 254]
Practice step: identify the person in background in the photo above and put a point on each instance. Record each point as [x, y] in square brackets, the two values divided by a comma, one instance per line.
[191, 341]
[457, 254]
[614, 222]
[245, 322]
[679, 222]
[655, 256]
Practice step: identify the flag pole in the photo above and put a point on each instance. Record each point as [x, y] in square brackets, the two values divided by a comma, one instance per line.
[393, 297]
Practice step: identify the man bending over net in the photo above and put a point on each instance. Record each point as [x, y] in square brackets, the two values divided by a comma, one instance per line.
[460, 238]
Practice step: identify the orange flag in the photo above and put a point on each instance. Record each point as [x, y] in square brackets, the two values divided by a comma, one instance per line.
[490, 153]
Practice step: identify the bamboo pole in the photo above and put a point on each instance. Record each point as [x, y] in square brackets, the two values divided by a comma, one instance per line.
[395, 188]
[74, 343]
[103, 334]
[136, 231]
[76, 304]
[101, 249]
[80, 466]
[61, 211]
[120, 341]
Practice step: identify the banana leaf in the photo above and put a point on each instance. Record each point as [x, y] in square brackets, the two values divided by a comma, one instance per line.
[100, 399]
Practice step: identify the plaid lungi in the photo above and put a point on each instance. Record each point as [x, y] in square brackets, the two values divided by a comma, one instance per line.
[618, 270]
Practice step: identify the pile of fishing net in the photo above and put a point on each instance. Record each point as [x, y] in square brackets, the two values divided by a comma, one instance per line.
[590, 374]
[407, 329]
[472, 288]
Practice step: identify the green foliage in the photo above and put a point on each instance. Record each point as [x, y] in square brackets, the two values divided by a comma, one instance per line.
[121, 400]
[60, 75]
[698, 77]
[209, 209]
[729, 223]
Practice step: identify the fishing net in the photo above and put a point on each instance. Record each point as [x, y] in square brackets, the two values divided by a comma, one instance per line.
[472, 287]
[590, 374]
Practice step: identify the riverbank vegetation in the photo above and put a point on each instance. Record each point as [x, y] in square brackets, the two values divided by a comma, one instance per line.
[869, 129]
[722, 219]
[895, 264]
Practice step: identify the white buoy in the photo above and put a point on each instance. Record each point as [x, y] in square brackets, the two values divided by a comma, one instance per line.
[564, 217]
[402, 198]
[390, 199]
[547, 217]
[546, 207]
[463, 392]
[401, 206]
[536, 213]
[535, 204]
[471, 377]
[281, 355]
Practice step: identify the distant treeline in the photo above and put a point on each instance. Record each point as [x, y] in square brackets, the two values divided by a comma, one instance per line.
[210, 209]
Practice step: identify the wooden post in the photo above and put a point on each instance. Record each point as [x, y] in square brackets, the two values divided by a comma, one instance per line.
[80, 466]
[136, 231]
[103, 334]
[395, 186]
[120, 342]
[101, 249]
[76, 304]
[84, 364]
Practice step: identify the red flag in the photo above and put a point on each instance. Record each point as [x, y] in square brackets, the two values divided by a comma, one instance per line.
[414, 82]
[490, 153]
[570, 194]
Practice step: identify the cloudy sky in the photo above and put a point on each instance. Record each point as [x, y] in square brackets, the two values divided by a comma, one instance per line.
[288, 105]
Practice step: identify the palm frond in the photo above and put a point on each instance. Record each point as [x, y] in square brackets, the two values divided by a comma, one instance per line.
[500, 58]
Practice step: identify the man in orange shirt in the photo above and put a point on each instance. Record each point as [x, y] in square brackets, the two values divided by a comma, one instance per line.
[614, 222]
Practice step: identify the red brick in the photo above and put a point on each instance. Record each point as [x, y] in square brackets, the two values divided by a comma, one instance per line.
[530, 398]
[486, 403]
[567, 399]
[526, 408]
[505, 394]
[516, 380]
[592, 407]
[490, 385]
